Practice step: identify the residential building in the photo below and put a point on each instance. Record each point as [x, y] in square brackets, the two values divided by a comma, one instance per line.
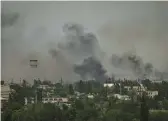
[90, 96]
[48, 100]
[44, 87]
[128, 88]
[108, 85]
[156, 81]
[5, 91]
[122, 97]
[152, 94]
[136, 88]
[55, 100]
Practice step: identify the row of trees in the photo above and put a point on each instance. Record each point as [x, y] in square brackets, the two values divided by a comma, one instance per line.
[84, 110]
[100, 108]
[81, 110]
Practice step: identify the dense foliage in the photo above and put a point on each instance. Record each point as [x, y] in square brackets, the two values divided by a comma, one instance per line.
[100, 108]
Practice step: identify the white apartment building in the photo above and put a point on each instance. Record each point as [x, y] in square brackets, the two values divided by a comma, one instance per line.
[122, 97]
[152, 94]
[48, 100]
[55, 100]
[44, 87]
[128, 88]
[5, 91]
[140, 89]
[90, 96]
[136, 88]
[108, 85]
[156, 81]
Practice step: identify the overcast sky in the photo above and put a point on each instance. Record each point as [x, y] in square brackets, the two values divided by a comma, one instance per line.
[119, 27]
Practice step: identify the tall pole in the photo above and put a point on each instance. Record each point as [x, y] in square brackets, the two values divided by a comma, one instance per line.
[34, 64]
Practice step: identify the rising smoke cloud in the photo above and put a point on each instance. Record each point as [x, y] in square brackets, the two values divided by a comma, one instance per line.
[9, 19]
[81, 47]
[29, 29]
[91, 68]
[79, 44]
[131, 62]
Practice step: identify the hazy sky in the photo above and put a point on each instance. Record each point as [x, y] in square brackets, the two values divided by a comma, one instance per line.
[118, 26]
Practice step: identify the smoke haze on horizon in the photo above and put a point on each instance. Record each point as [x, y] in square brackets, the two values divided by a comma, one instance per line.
[65, 34]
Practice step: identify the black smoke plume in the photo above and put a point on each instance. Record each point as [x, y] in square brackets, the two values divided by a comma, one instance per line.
[91, 68]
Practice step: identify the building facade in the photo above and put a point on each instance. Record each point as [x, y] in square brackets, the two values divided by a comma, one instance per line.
[47, 100]
[108, 85]
[152, 94]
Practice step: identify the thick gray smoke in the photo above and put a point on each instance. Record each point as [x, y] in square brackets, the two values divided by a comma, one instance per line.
[29, 29]
[91, 68]
[81, 46]
[135, 64]
[9, 19]
[129, 62]
[148, 68]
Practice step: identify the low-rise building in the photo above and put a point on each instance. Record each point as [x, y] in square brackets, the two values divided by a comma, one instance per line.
[122, 97]
[55, 100]
[5, 92]
[128, 88]
[152, 94]
[136, 88]
[157, 81]
[47, 100]
[44, 87]
[90, 96]
[108, 85]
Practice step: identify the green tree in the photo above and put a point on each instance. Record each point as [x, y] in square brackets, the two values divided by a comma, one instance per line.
[71, 90]
[144, 111]
[81, 86]
[112, 115]
[20, 93]
[6, 115]
[39, 95]
[24, 83]
[89, 87]
[79, 105]
[133, 95]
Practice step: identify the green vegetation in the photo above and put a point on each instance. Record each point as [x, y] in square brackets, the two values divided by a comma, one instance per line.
[100, 108]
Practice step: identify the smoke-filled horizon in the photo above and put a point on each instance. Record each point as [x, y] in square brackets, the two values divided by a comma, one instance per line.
[84, 40]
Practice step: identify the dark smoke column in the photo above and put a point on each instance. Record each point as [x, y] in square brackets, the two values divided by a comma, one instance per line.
[91, 68]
